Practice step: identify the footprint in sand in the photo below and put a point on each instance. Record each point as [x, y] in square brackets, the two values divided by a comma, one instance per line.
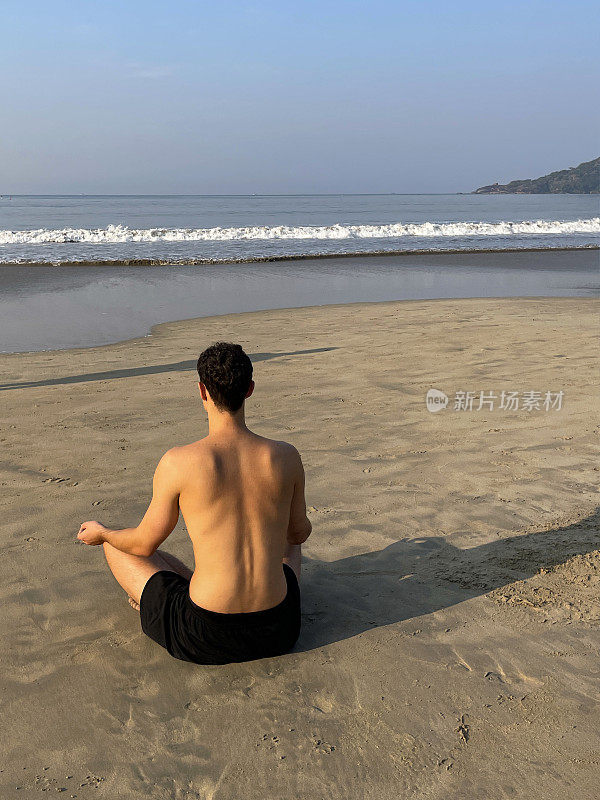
[323, 747]
[45, 782]
[322, 704]
[463, 729]
[494, 676]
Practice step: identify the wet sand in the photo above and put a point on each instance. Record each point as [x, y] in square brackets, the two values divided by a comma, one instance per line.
[451, 586]
[50, 307]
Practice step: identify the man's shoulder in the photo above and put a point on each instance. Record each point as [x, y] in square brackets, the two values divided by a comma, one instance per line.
[178, 456]
[201, 454]
[273, 444]
[284, 451]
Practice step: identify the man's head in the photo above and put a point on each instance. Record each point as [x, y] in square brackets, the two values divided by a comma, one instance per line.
[225, 373]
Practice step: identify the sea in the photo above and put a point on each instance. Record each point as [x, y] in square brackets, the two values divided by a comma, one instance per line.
[79, 271]
[193, 229]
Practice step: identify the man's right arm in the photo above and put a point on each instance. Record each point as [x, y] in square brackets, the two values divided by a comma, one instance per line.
[299, 527]
[158, 522]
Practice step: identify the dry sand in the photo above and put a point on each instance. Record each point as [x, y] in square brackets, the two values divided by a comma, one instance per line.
[451, 607]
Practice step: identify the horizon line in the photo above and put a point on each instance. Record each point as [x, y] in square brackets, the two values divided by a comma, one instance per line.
[233, 194]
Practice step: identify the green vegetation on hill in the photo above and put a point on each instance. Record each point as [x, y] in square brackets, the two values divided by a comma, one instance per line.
[584, 179]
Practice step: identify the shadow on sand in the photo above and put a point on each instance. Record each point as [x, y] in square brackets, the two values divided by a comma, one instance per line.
[413, 577]
[154, 369]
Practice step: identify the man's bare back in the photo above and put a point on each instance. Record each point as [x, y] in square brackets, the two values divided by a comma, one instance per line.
[242, 498]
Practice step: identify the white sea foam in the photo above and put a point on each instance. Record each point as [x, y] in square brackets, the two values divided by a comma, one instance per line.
[114, 234]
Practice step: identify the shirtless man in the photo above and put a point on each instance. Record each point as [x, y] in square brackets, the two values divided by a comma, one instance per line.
[242, 499]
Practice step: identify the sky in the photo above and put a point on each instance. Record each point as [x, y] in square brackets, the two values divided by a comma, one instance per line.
[278, 97]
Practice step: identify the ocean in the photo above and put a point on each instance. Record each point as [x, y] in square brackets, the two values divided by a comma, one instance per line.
[189, 229]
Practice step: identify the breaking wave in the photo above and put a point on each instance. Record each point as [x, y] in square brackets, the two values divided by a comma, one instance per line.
[114, 234]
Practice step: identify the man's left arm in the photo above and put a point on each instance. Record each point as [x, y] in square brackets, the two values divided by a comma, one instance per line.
[158, 522]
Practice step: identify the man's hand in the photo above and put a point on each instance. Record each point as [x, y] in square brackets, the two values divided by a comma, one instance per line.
[91, 532]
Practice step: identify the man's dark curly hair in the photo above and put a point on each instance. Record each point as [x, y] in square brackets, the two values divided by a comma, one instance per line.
[226, 371]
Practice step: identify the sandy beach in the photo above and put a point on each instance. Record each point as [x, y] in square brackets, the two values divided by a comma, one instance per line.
[451, 604]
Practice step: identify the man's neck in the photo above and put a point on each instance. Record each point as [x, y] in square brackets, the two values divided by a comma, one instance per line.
[222, 422]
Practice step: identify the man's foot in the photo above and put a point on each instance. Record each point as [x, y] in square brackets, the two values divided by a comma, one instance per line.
[134, 604]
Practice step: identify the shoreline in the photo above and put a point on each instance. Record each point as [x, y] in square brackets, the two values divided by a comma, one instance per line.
[158, 262]
[160, 329]
[49, 308]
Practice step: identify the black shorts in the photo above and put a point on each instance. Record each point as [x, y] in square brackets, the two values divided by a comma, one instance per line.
[191, 633]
